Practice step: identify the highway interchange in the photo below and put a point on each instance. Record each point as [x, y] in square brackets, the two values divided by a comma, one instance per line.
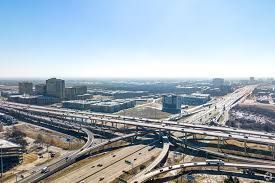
[82, 120]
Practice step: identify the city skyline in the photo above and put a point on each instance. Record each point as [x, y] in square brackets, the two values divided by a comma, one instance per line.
[137, 39]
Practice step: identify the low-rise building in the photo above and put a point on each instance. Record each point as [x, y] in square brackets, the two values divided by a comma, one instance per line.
[109, 106]
[33, 99]
[76, 93]
[77, 104]
[11, 153]
[195, 99]
[7, 94]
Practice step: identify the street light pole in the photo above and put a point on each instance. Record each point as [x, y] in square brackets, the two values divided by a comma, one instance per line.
[1, 163]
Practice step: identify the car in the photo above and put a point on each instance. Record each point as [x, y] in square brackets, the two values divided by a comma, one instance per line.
[170, 167]
[114, 155]
[45, 170]
[101, 179]
[246, 137]
[214, 162]
[99, 165]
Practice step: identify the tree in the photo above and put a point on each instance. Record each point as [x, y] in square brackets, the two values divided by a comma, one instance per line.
[230, 179]
[39, 139]
[17, 137]
[1, 127]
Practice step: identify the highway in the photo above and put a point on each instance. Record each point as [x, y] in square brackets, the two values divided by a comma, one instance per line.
[110, 165]
[157, 172]
[227, 133]
[162, 156]
[65, 162]
[75, 118]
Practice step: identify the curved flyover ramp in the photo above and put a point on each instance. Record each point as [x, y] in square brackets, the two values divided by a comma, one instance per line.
[157, 172]
[162, 156]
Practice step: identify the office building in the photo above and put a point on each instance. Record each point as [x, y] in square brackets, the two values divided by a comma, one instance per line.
[171, 103]
[70, 93]
[55, 88]
[81, 90]
[108, 106]
[76, 92]
[195, 99]
[218, 82]
[25, 88]
[40, 89]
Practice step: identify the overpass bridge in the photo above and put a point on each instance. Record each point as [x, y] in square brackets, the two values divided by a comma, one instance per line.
[183, 166]
[245, 136]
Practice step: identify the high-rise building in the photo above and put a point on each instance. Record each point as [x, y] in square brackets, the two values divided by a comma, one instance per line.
[55, 88]
[218, 82]
[25, 88]
[40, 89]
[171, 103]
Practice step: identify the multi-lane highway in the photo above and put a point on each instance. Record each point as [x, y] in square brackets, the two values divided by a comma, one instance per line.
[162, 156]
[65, 162]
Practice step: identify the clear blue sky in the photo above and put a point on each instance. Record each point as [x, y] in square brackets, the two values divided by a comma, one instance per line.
[137, 38]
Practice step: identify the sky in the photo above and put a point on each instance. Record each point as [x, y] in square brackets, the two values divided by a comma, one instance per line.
[137, 38]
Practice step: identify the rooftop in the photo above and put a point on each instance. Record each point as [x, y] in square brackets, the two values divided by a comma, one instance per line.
[7, 144]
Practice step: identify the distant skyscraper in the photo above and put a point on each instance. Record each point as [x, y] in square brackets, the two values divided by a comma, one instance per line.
[40, 89]
[218, 82]
[252, 80]
[55, 88]
[25, 88]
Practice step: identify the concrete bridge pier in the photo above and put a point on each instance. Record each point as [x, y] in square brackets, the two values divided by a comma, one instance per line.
[273, 152]
[219, 144]
[185, 140]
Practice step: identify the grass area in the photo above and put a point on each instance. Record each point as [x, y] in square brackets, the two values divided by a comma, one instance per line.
[237, 148]
[29, 158]
[49, 137]
[144, 112]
